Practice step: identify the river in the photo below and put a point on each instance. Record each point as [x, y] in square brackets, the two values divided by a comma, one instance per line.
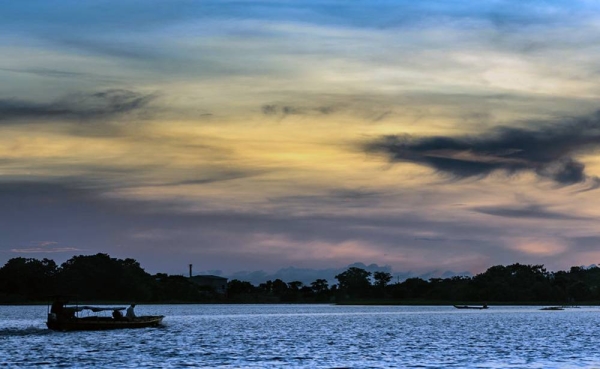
[313, 336]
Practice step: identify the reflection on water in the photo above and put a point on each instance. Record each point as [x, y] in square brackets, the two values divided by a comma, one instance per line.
[325, 336]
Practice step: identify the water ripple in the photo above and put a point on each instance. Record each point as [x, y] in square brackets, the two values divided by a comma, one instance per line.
[313, 336]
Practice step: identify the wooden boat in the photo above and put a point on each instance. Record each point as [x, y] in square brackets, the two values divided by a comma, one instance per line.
[68, 320]
[471, 307]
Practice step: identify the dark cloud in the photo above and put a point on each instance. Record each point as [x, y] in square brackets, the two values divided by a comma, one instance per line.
[325, 110]
[285, 110]
[549, 151]
[164, 236]
[382, 116]
[527, 211]
[585, 243]
[269, 109]
[82, 208]
[345, 198]
[272, 109]
[217, 176]
[103, 104]
[79, 215]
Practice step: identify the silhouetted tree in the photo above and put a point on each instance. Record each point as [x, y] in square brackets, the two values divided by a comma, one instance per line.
[29, 278]
[266, 287]
[295, 285]
[100, 277]
[516, 282]
[415, 288]
[381, 281]
[240, 291]
[320, 288]
[354, 282]
[279, 287]
[176, 288]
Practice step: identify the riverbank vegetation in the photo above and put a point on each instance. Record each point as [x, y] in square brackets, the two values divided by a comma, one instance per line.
[102, 278]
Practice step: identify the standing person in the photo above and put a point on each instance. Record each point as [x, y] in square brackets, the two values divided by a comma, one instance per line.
[130, 313]
[57, 306]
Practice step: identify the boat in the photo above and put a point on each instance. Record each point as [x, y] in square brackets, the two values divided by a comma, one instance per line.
[471, 307]
[67, 319]
[552, 308]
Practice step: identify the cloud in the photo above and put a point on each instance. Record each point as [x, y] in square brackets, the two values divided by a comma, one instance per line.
[96, 105]
[286, 110]
[339, 197]
[538, 247]
[40, 250]
[216, 177]
[44, 247]
[528, 211]
[45, 72]
[124, 50]
[548, 151]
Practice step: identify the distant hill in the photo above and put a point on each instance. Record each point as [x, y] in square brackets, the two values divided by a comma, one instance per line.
[307, 275]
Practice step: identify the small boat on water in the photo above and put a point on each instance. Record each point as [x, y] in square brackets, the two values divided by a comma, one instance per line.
[471, 307]
[553, 308]
[67, 319]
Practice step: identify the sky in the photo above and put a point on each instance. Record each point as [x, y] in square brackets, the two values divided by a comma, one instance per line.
[244, 136]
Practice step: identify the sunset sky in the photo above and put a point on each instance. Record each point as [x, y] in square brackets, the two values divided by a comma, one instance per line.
[259, 135]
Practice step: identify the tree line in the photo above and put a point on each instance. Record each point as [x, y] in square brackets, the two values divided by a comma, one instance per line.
[102, 278]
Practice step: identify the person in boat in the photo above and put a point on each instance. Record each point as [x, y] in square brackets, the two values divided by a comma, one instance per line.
[117, 315]
[57, 307]
[130, 313]
[60, 310]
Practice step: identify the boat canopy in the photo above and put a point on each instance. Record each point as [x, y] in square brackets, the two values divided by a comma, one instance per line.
[95, 309]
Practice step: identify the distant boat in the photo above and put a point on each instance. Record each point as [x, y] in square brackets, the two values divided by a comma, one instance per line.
[471, 307]
[553, 308]
[66, 320]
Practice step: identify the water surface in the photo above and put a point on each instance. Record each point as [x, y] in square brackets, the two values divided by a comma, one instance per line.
[313, 336]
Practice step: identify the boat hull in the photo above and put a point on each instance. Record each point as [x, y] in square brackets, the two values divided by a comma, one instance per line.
[470, 307]
[102, 323]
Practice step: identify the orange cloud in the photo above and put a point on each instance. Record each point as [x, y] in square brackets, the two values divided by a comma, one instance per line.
[539, 246]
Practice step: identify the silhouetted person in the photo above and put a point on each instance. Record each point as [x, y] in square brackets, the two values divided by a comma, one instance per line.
[130, 313]
[62, 312]
[57, 307]
[117, 315]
